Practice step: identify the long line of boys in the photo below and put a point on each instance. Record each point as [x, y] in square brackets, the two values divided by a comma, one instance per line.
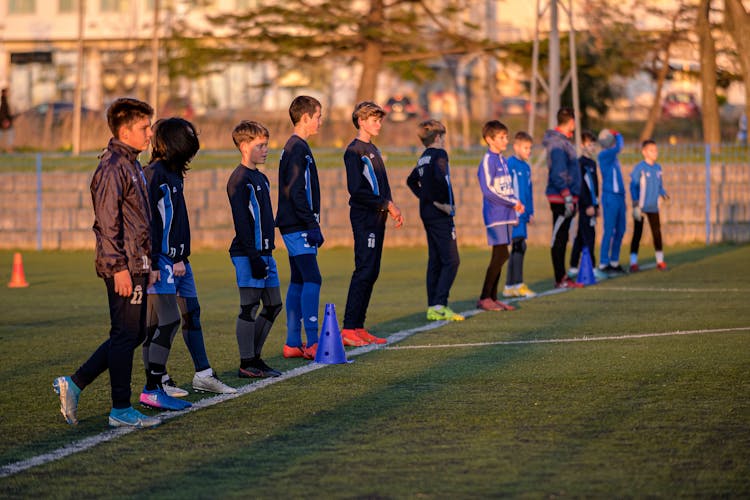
[143, 238]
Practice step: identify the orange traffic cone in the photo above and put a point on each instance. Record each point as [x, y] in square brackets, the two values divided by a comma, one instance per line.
[17, 277]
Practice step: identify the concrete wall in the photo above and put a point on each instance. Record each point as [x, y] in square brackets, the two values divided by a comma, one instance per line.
[67, 213]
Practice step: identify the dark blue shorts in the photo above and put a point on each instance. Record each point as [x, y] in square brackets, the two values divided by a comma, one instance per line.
[169, 284]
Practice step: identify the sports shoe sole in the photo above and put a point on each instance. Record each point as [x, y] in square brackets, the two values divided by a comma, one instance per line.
[212, 384]
[68, 402]
[141, 423]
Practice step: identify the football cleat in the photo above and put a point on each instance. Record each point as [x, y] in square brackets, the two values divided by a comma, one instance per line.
[368, 337]
[266, 370]
[443, 314]
[511, 291]
[65, 387]
[505, 307]
[159, 399]
[661, 266]
[568, 283]
[634, 268]
[171, 388]
[311, 351]
[131, 417]
[249, 372]
[294, 352]
[350, 338]
[211, 383]
[525, 291]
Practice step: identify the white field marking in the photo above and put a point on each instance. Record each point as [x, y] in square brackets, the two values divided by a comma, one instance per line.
[91, 441]
[668, 290]
[575, 339]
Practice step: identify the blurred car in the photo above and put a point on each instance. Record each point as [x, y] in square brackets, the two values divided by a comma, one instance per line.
[514, 106]
[680, 105]
[177, 107]
[399, 108]
[59, 110]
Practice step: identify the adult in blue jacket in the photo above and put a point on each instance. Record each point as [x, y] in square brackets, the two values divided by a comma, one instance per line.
[563, 187]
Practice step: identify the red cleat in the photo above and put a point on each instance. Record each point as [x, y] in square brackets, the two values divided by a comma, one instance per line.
[294, 352]
[661, 266]
[568, 283]
[504, 306]
[488, 305]
[311, 351]
[368, 337]
[350, 338]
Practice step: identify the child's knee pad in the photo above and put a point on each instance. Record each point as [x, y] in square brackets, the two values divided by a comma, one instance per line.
[165, 333]
[191, 317]
[270, 312]
[247, 311]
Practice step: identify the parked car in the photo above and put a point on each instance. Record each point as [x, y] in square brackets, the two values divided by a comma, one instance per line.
[514, 106]
[177, 106]
[59, 109]
[680, 105]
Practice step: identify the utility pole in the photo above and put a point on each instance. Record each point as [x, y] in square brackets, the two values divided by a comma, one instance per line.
[77, 96]
[553, 86]
[155, 62]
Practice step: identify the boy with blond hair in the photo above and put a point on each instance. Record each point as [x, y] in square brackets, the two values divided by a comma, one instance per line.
[251, 250]
[370, 204]
[430, 182]
[519, 168]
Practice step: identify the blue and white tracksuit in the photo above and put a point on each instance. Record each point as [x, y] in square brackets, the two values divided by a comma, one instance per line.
[645, 188]
[498, 198]
[613, 203]
[369, 197]
[520, 171]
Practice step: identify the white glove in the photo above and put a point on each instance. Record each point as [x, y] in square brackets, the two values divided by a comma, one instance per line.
[569, 206]
[637, 215]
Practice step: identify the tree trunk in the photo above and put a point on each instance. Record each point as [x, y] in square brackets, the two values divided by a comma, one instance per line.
[372, 56]
[710, 111]
[655, 111]
[737, 22]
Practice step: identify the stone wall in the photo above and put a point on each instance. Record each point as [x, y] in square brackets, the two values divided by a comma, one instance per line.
[67, 214]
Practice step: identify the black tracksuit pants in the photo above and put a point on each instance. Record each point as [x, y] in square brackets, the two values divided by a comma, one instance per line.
[442, 261]
[128, 331]
[585, 237]
[368, 227]
[560, 230]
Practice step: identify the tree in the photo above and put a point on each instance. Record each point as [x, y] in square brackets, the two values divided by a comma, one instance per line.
[737, 22]
[372, 33]
[707, 50]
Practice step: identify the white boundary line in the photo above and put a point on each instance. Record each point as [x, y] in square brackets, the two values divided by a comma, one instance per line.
[575, 339]
[687, 290]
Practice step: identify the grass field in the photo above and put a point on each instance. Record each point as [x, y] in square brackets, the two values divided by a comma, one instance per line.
[503, 404]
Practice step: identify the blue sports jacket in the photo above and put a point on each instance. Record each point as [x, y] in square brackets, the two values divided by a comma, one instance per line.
[520, 171]
[646, 186]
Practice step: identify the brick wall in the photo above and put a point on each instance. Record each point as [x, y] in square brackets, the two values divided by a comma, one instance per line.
[67, 215]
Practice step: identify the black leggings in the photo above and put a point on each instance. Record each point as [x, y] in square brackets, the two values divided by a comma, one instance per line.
[492, 277]
[654, 224]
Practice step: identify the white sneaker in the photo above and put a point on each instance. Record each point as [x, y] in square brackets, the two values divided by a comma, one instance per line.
[211, 383]
[170, 387]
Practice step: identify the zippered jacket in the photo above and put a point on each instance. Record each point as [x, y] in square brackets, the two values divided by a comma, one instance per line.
[498, 197]
[249, 195]
[646, 186]
[520, 171]
[609, 164]
[122, 217]
[170, 227]
[564, 176]
[298, 208]
[430, 182]
[366, 178]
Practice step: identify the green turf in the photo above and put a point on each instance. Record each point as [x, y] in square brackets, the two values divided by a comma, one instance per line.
[660, 416]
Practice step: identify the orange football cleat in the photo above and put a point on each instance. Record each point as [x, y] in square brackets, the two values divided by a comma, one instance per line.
[351, 339]
[311, 351]
[368, 337]
[294, 352]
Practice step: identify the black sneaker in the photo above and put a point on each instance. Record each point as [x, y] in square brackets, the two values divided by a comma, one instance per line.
[266, 370]
[250, 372]
[610, 269]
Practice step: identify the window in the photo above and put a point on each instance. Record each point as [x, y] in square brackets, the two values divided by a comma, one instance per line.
[114, 5]
[67, 6]
[21, 6]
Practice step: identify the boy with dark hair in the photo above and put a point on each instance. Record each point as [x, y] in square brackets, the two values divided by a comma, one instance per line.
[430, 182]
[646, 187]
[588, 205]
[520, 171]
[122, 222]
[298, 220]
[370, 204]
[613, 201]
[173, 294]
[563, 187]
[500, 207]
[249, 195]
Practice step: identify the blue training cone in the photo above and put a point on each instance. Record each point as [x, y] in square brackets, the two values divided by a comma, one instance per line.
[586, 269]
[330, 346]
